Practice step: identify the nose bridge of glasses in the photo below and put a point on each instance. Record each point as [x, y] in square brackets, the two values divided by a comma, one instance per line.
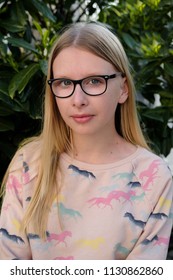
[78, 82]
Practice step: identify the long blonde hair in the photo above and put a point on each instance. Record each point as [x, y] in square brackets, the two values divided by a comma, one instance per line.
[55, 136]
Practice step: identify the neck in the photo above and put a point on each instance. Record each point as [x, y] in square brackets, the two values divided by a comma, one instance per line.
[95, 149]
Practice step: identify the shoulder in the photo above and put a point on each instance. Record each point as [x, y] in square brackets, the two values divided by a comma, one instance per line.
[26, 159]
[153, 174]
[147, 162]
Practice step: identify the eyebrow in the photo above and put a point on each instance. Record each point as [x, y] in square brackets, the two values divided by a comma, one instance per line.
[86, 76]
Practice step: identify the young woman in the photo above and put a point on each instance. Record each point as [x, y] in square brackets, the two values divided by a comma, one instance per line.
[88, 187]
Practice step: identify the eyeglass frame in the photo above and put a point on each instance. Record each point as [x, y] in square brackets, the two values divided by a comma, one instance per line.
[75, 82]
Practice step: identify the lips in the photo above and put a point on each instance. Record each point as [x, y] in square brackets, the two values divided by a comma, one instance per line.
[82, 118]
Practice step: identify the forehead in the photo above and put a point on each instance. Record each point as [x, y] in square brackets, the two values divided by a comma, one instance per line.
[72, 60]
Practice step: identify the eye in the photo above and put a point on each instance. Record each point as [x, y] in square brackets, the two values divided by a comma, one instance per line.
[95, 81]
[65, 83]
[62, 83]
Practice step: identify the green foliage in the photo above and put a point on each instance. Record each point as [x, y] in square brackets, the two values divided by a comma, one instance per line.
[26, 34]
[146, 30]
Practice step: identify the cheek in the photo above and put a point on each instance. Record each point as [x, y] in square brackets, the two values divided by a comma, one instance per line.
[108, 108]
[111, 99]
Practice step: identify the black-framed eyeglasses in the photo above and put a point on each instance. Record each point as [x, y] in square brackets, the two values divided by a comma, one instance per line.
[92, 85]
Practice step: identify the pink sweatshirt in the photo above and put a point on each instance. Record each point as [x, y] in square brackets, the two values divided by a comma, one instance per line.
[121, 210]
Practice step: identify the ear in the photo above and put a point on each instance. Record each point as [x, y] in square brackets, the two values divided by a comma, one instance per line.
[124, 91]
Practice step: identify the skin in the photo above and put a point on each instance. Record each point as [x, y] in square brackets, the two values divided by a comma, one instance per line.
[91, 118]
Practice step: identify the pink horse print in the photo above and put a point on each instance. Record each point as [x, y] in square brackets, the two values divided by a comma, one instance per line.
[60, 238]
[13, 184]
[106, 201]
[162, 240]
[151, 170]
[126, 195]
[150, 174]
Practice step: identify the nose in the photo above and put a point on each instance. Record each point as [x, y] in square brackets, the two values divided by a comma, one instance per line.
[79, 98]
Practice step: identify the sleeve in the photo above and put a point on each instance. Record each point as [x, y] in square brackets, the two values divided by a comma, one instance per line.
[13, 243]
[154, 241]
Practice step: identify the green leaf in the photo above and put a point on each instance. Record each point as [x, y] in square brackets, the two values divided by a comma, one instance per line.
[38, 27]
[21, 79]
[131, 43]
[46, 37]
[11, 26]
[43, 8]
[6, 125]
[18, 12]
[14, 104]
[3, 87]
[21, 44]
[169, 69]
[154, 115]
[3, 47]
[166, 94]
[44, 66]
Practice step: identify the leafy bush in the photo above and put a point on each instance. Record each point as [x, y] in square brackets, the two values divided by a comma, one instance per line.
[146, 30]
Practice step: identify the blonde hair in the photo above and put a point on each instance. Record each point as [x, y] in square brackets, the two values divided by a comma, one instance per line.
[55, 136]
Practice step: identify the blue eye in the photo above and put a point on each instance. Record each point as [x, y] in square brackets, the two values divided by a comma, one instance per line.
[95, 81]
[67, 82]
[64, 83]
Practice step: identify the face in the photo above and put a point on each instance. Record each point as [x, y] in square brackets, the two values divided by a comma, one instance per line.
[84, 114]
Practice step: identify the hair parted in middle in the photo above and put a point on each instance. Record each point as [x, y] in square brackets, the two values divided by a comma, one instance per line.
[56, 135]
